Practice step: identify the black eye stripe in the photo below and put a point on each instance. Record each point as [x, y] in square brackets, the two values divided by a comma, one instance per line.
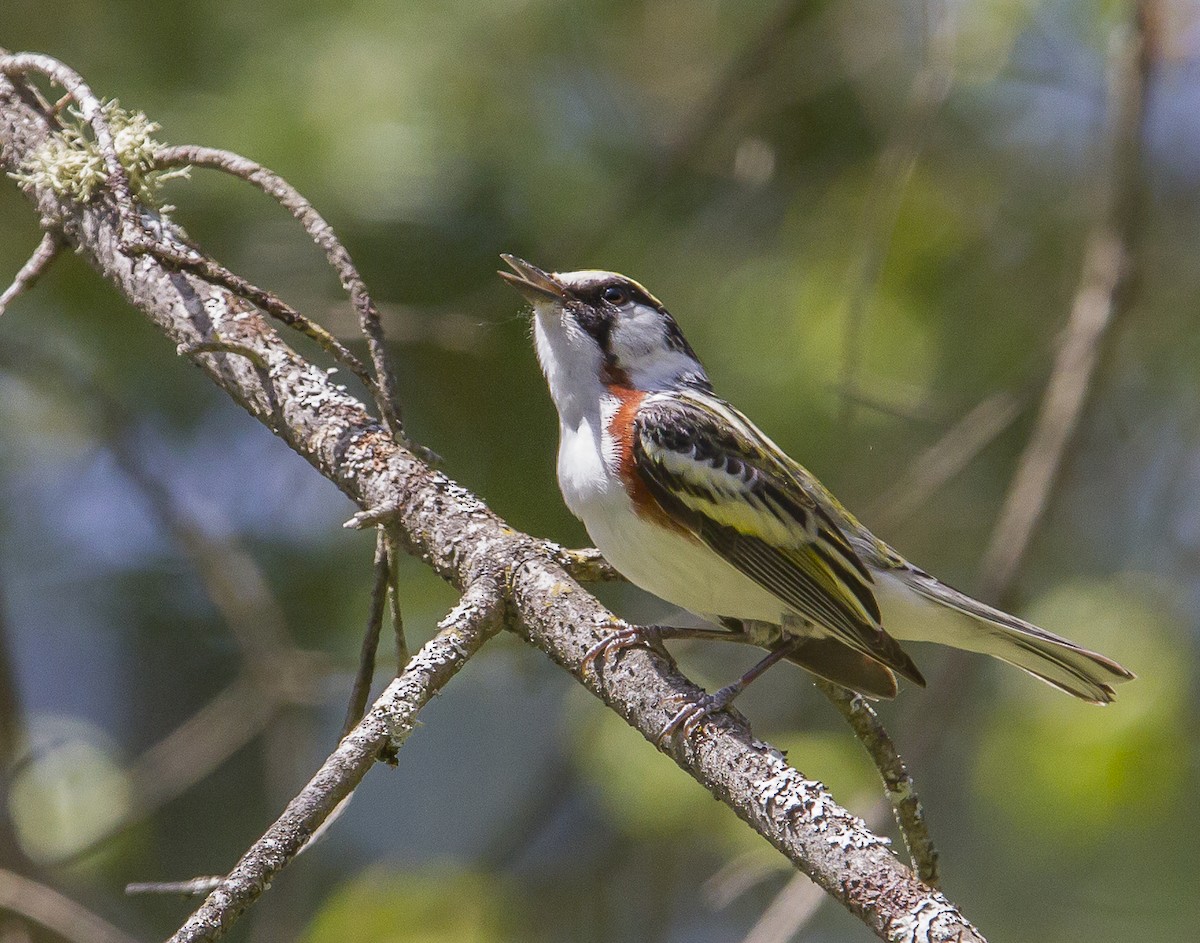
[597, 316]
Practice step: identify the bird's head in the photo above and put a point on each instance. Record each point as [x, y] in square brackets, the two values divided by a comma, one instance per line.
[600, 327]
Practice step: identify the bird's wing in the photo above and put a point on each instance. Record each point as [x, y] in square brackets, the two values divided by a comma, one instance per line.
[714, 473]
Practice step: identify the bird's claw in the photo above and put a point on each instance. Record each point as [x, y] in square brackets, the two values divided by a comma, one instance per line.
[691, 716]
[628, 636]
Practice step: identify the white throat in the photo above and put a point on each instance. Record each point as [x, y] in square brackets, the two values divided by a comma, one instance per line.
[586, 456]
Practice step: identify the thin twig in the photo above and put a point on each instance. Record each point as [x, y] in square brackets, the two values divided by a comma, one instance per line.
[192, 887]
[398, 635]
[361, 690]
[898, 784]
[947, 457]
[885, 196]
[193, 348]
[187, 259]
[374, 516]
[323, 235]
[1099, 301]
[587, 565]
[43, 255]
[59, 914]
[471, 623]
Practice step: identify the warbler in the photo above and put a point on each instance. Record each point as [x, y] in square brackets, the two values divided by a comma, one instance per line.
[689, 500]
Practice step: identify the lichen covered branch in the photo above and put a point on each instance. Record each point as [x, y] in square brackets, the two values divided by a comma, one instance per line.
[393, 717]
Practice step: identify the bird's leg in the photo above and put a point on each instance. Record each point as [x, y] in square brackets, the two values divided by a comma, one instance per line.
[689, 717]
[653, 636]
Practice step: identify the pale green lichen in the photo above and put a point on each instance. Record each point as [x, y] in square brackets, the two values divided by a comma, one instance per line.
[70, 164]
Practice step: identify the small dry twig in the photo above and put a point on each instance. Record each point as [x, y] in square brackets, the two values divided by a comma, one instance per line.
[361, 690]
[400, 639]
[192, 887]
[46, 252]
[587, 565]
[323, 235]
[885, 196]
[898, 784]
[184, 258]
[57, 913]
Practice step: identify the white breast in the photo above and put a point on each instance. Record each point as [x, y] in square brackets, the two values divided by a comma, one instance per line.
[583, 474]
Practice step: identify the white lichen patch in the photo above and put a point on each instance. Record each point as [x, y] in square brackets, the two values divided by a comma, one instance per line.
[70, 164]
[916, 925]
[463, 499]
[312, 390]
[790, 794]
[856, 838]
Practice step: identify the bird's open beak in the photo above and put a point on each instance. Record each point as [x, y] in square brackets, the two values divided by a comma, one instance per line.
[530, 280]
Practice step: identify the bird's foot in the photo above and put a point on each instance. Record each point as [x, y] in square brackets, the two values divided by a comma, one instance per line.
[629, 636]
[690, 716]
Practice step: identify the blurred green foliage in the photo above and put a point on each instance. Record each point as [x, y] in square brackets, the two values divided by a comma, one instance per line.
[1083, 775]
[434, 906]
[738, 160]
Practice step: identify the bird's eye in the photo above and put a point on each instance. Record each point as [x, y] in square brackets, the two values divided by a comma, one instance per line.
[615, 295]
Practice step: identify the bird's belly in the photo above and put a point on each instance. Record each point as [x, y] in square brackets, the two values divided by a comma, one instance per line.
[673, 566]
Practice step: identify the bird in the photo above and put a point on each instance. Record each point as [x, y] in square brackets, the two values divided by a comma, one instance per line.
[686, 498]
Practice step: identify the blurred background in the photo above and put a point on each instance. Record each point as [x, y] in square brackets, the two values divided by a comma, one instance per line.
[871, 219]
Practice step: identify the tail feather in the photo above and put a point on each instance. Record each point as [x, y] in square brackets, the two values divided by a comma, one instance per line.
[1068, 667]
[1057, 661]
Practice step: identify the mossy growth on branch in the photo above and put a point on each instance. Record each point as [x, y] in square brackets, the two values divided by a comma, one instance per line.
[71, 164]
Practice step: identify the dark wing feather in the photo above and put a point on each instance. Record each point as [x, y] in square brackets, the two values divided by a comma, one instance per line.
[715, 474]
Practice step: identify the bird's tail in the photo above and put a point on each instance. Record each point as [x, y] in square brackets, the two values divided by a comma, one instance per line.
[975, 626]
